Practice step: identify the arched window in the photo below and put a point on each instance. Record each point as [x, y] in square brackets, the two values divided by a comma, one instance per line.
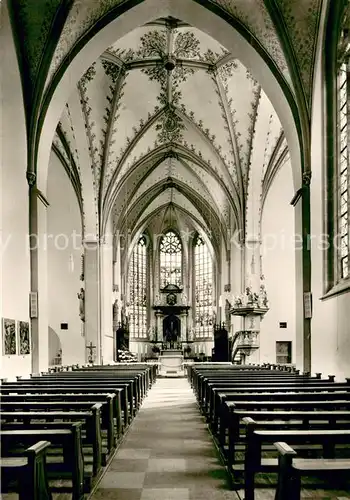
[343, 127]
[138, 290]
[337, 140]
[203, 267]
[170, 260]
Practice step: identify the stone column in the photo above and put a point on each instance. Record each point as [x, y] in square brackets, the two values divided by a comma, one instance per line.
[38, 275]
[183, 318]
[107, 299]
[301, 204]
[92, 299]
[159, 326]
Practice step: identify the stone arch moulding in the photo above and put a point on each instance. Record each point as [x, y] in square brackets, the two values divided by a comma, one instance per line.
[198, 16]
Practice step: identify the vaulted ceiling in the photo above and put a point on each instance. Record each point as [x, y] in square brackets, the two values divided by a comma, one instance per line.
[174, 123]
[170, 118]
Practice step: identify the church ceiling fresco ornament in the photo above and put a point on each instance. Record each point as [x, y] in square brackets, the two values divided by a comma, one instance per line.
[128, 136]
[255, 17]
[82, 17]
[36, 19]
[145, 95]
[283, 32]
[301, 19]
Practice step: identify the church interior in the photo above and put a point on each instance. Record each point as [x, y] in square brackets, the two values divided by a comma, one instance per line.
[175, 203]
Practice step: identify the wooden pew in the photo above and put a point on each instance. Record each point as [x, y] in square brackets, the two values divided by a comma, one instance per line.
[27, 473]
[254, 463]
[90, 420]
[45, 405]
[112, 400]
[195, 370]
[294, 405]
[99, 384]
[281, 377]
[69, 439]
[291, 469]
[132, 382]
[249, 385]
[121, 397]
[218, 395]
[147, 372]
[266, 398]
[331, 419]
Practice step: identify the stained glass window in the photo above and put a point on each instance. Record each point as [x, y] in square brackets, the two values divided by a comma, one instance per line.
[203, 267]
[343, 157]
[170, 260]
[138, 290]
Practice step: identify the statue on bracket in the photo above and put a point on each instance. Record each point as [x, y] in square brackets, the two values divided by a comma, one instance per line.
[115, 312]
[81, 297]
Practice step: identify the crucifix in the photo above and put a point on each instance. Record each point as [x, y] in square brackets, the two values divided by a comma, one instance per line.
[90, 357]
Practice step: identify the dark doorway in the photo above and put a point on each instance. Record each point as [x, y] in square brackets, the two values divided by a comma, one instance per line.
[171, 330]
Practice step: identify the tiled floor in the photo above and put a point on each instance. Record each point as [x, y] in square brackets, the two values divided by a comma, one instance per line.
[168, 453]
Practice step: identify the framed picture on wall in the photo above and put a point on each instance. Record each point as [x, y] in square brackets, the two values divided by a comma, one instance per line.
[283, 352]
[23, 337]
[9, 336]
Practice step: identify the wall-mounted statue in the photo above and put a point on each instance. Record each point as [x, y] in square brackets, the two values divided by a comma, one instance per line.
[263, 300]
[81, 297]
[115, 313]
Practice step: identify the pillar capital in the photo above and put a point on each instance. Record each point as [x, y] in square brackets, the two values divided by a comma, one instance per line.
[31, 178]
[307, 178]
[90, 244]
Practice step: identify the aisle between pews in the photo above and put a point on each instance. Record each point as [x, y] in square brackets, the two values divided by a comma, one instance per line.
[167, 454]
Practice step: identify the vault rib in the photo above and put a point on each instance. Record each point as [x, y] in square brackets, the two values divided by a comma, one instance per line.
[109, 132]
[231, 132]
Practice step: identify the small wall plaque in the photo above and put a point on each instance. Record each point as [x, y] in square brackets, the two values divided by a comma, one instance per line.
[64, 326]
[307, 305]
[33, 304]
[283, 324]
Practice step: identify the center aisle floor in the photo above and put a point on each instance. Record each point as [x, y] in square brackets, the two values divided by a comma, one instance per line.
[167, 454]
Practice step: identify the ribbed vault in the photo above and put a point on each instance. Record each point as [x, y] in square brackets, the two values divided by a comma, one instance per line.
[170, 113]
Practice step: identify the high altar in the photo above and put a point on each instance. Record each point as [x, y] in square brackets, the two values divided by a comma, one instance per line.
[171, 311]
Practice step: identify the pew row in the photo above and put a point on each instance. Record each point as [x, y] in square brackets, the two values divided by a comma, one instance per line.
[26, 473]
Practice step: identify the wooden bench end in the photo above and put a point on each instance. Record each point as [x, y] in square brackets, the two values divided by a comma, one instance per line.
[284, 448]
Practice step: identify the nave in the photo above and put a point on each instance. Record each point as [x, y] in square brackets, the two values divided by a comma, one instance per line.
[168, 453]
[257, 432]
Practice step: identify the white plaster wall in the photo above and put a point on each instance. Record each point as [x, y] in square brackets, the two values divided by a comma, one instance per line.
[107, 299]
[64, 262]
[15, 263]
[330, 335]
[237, 277]
[278, 261]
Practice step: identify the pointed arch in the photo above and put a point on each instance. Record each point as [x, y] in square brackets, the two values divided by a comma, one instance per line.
[170, 259]
[204, 288]
[220, 26]
[138, 288]
[337, 206]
